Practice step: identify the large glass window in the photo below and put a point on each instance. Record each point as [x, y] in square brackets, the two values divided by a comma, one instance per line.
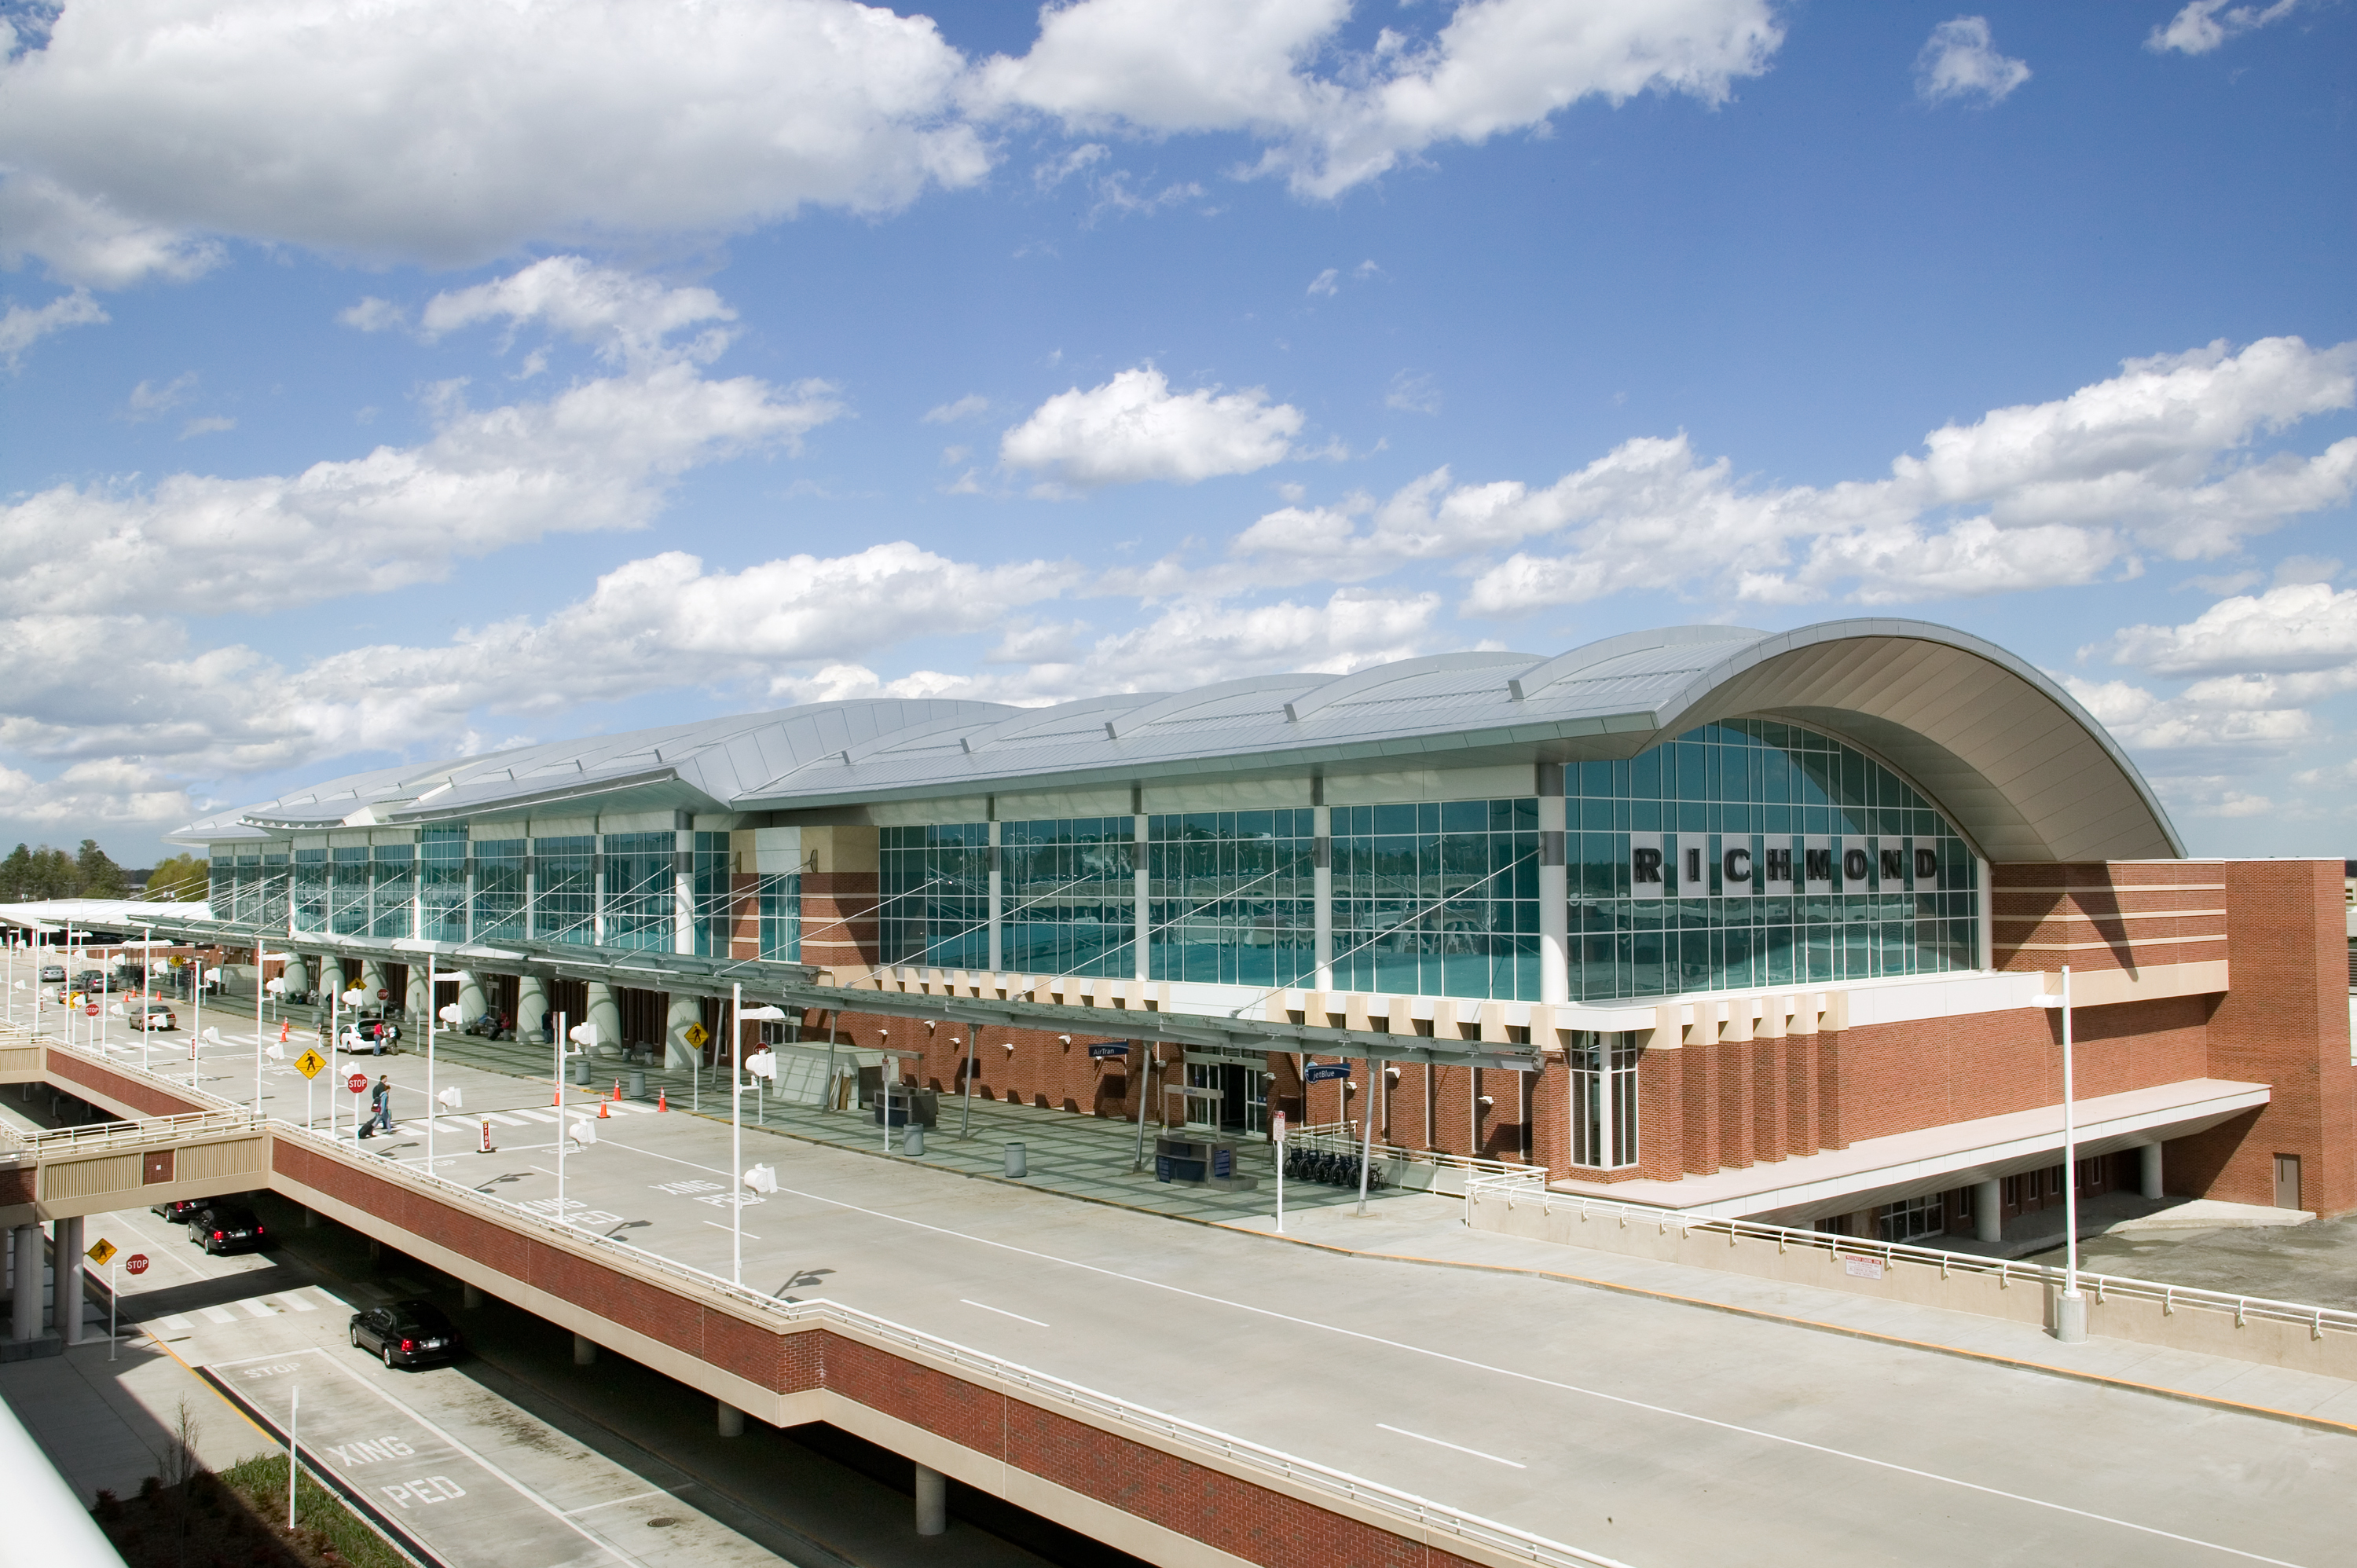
[221, 885]
[641, 890]
[348, 892]
[310, 889]
[244, 888]
[1603, 1099]
[1232, 898]
[1750, 853]
[393, 887]
[1437, 899]
[498, 888]
[564, 895]
[442, 882]
[714, 906]
[1069, 896]
[274, 890]
[934, 903]
[780, 898]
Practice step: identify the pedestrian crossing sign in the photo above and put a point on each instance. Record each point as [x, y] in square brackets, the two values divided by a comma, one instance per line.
[102, 1252]
[309, 1063]
[694, 1035]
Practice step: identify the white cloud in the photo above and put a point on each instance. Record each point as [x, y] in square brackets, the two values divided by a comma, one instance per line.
[1134, 428]
[2157, 459]
[596, 457]
[2204, 24]
[1959, 61]
[1324, 283]
[1412, 394]
[1163, 67]
[2300, 629]
[208, 425]
[627, 316]
[22, 328]
[450, 132]
[2202, 728]
[971, 406]
[147, 400]
[373, 314]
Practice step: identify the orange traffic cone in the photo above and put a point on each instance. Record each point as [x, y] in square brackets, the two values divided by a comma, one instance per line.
[557, 1100]
[283, 1028]
[602, 1114]
[617, 1090]
[662, 1104]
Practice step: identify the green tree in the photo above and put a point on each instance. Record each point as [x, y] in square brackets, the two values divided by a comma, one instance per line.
[17, 875]
[177, 879]
[96, 875]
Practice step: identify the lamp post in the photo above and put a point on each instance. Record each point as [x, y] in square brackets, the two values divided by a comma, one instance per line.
[2071, 1306]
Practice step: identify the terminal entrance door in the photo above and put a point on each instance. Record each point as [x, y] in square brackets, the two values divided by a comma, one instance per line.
[1235, 1097]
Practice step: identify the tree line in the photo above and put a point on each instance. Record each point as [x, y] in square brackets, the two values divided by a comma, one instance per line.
[29, 874]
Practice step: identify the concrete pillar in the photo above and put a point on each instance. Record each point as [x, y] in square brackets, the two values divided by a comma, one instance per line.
[732, 1420]
[298, 973]
[65, 1271]
[997, 904]
[932, 1502]
[331, 977]
[472, 1003]
[376, 1251]
[605, 1015]
[2148, 1167]
[1988, 1211]
[470, 1297]
[1142, 927]
[311, 1220]
[531, 1007]
[585, 1351]
[1321, 908]
[683, 912]
[1555, 890]
[25, 1317]
[678, 1055]
[419, 1000]
[372, 980]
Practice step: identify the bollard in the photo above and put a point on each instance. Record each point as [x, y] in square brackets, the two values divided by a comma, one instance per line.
[912, 1139]
[932, 1502]
[732, 1420]
[1016, 1166]
[584, 1350]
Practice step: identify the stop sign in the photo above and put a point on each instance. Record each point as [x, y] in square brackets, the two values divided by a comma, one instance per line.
[91, 1010]
[357, 1083]
[384, 996]
[136, 1264]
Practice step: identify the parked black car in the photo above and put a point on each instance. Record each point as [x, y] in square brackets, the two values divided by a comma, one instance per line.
[180, 1211]
[406, 1334]
[227, 1227]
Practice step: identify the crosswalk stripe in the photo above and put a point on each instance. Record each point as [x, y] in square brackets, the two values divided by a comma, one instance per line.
[633, 1107]
[536, 1116]
[504, 1120]
[296, 1300]
[218, 1314]
[177, 1325]
[256, 1307]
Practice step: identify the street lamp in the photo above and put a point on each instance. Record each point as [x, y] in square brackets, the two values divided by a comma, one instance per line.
[2070, 1307]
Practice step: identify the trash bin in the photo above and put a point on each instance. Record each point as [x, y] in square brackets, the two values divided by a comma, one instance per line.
[912, 1138]
[1015, 1162]
[581, 1070]
[637, 1083]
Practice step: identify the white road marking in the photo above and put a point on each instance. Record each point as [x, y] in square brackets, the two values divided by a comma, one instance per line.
[296, 1300]
[615, 1503]
[218, 1314]
[176, 1325]
[732, 1229]
[1444, 1442]
[1507, 1372]
[256, 1307]
[1004, 1313]
[536, 1115]
[502, 1121]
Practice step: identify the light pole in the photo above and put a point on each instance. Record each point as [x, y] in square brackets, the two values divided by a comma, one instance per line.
[2070, 1307]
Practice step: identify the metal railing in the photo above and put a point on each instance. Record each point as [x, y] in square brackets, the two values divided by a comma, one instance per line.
[1531, 1188]
[50, 1142]
[1342, 1138]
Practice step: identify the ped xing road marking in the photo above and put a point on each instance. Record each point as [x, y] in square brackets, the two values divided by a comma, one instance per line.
[415, 1476]
[1444, 1442]
[1531, 1378]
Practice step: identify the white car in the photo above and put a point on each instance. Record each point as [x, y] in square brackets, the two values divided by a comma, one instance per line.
[372, 1036]
[150, 1015]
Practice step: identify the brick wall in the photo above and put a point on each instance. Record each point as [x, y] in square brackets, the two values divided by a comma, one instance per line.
[2116, 915]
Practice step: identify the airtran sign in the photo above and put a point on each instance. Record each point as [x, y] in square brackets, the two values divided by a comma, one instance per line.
[1736, 865]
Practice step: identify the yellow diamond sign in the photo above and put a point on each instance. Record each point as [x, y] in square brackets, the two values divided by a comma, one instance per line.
[309, 1063]
[694, 1035]
[102, 1252]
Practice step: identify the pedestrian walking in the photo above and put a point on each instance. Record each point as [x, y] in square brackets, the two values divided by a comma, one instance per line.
[384, 1101]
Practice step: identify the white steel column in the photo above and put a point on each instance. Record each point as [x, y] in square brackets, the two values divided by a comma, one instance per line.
[597, 889]
[1321, 876]
[1988, 912]
[997, 903]
[64, 1274]
[1555, 889]
[1143, 923]
[683, 859]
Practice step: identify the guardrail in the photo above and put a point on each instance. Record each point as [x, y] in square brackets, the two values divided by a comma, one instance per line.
[147, 1129]
[1342, 1138]
[1531, 1188]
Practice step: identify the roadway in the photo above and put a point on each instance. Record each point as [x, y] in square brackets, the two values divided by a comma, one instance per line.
[1647, 1431]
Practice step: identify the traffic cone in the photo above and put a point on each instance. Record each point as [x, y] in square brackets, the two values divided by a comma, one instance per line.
[604, 1115]
[662, 1104]
[283, 1028]
[557, 1100]
[617, 1095]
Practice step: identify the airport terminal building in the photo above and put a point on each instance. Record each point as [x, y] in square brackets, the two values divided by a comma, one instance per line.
[1733, 923]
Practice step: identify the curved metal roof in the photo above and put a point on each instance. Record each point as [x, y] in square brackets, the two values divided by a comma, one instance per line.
[2019, 766]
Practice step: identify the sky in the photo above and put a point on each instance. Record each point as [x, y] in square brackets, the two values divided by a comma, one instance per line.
[398, 380]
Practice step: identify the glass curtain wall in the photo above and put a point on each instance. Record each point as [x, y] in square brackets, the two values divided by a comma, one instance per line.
[273, 891]
[934, 895]
[714, 906]
[1232, 898]
[442, 883]
[1069, 896]
[564, 902]
[498, 888]
[393, 888]
[348, 891]
[1438, 899]
[310, 889]
[1774, 856]
[780, 897]
[641, 890]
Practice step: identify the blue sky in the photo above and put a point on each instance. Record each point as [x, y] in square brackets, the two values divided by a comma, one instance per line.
[394, 381]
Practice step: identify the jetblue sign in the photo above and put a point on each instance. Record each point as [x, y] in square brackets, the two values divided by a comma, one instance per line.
[1736, 865]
